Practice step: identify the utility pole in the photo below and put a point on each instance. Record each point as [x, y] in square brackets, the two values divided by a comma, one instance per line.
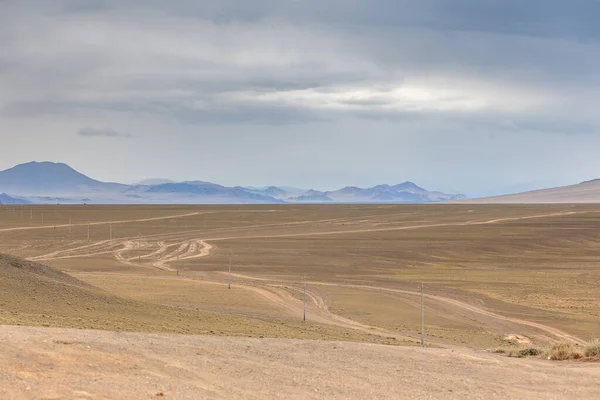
[139, 246]
[304, 297]
[422, 316]
[229, 278]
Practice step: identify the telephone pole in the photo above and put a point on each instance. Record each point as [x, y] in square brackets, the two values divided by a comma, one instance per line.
[304, 297]
[229, 278]
[422, 316]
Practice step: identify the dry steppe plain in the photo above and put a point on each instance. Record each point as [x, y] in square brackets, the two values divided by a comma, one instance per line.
[494, 276]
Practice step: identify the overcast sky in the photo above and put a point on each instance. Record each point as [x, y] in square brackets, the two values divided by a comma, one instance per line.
[471, 96]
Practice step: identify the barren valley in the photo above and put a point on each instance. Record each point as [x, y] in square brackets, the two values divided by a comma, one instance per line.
[495, 277]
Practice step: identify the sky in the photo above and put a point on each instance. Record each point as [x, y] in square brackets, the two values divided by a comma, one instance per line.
[464, 96]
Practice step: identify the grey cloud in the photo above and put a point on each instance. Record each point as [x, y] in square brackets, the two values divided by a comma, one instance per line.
[165, 58]
[553, 18]
[102, 132]
[241, 112]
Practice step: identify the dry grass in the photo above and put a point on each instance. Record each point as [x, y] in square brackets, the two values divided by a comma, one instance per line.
[592, 349]
[519, 352]
[565, 351]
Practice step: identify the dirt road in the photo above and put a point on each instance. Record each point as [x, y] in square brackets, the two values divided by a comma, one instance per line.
[125, 221]
[327, 316]
[200, 247]
[159, 256]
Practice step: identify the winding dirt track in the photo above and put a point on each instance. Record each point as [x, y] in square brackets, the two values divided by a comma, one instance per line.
[164, 259]
[125, 221]
[159, 256]
[321, 305]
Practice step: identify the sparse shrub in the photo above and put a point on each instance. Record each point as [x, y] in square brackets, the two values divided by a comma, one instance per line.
[593, 348]
[530, 352]
[565, 351]
[515, 354]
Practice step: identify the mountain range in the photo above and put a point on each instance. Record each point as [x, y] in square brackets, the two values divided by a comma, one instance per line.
[47, 182]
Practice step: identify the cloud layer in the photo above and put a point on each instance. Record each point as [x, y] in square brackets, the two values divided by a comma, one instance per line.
[102, 132]
[430, 68]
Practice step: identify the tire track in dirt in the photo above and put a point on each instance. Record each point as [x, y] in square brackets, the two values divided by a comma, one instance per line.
[66, 252]
[198, 248]
[455, 303]
[28, 228]
[335, 319]
[52, 255]
[396, 228]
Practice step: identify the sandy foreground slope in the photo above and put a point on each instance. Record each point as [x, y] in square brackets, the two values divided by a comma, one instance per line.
[50, 363]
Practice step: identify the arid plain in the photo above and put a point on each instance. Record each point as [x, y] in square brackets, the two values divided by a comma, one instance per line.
[494, 276]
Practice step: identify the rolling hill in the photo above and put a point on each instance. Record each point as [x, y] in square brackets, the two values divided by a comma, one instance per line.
[585, 192]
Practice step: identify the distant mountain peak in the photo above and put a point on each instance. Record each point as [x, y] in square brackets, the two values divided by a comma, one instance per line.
[154, 181]
[408, 185]
[47, 178]
[42, 165]
[6, 199]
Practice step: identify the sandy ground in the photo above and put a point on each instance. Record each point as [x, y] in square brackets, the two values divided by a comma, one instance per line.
[50, 363]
